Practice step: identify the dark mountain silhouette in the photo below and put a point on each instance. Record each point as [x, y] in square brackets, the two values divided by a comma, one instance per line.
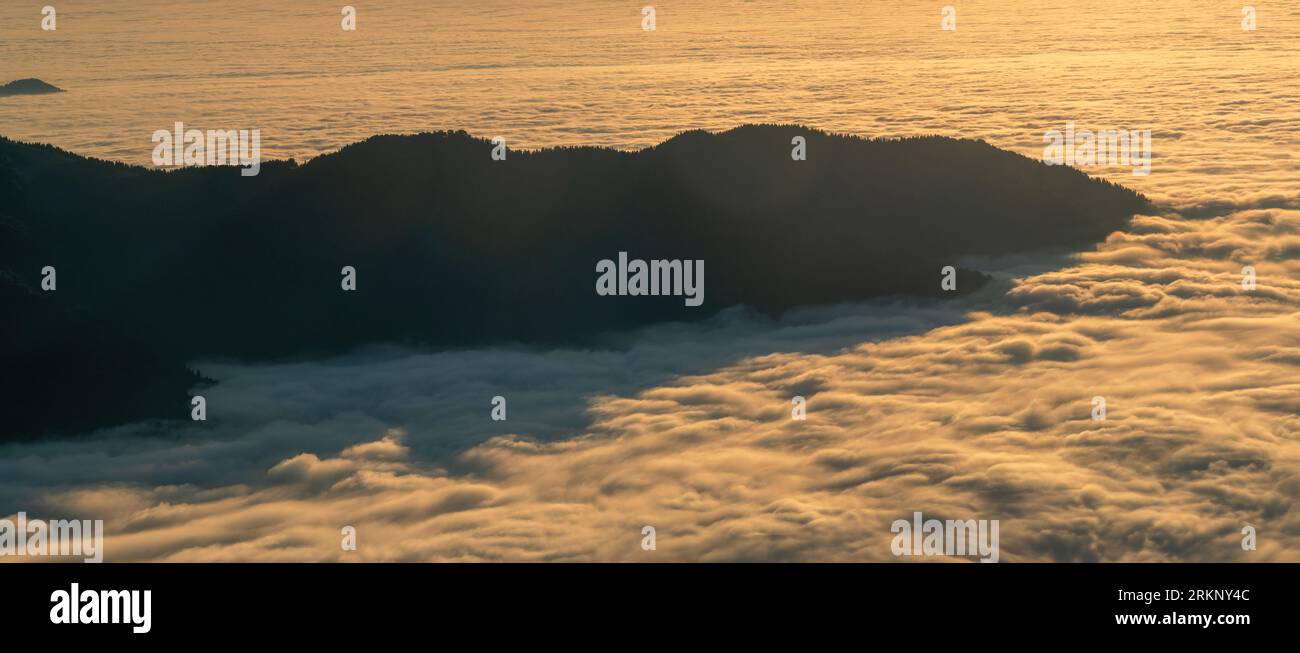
[454, 249]
[29, 86]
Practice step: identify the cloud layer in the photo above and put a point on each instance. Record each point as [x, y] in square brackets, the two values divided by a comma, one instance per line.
[984, 417]
[974, 410]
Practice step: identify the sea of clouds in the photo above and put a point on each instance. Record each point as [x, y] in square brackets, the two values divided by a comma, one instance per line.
[974, 409]
[977, 408]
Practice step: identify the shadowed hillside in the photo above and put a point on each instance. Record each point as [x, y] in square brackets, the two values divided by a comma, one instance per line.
[452, 248]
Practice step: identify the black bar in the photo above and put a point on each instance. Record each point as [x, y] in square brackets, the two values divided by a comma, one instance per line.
[558, 602]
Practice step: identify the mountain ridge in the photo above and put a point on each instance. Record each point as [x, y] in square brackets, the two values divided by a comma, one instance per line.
[453, 249]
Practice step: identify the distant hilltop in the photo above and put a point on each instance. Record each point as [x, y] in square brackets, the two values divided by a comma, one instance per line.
[29, 86]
